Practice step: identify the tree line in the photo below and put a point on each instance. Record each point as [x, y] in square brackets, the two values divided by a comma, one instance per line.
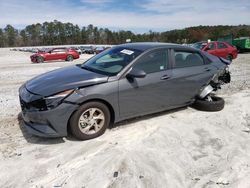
[58, 33]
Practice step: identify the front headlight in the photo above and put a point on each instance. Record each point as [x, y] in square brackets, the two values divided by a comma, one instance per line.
[54, 100]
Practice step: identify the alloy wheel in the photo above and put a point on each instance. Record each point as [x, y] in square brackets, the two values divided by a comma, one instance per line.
[91, 121]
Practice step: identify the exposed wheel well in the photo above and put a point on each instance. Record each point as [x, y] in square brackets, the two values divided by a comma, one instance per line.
[111, 110]
[230, 54]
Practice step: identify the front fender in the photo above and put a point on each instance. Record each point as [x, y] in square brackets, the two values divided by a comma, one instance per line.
[107, 92]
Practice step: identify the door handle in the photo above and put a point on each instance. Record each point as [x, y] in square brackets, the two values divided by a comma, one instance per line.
[207, 69]
[165, 77]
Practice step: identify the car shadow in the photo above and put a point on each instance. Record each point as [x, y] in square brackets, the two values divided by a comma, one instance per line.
[146, 117]
[244, 52]
[50, 62]
[35, 139]
[49, 141]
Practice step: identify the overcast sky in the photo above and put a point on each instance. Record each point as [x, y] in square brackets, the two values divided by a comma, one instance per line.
[138, 16]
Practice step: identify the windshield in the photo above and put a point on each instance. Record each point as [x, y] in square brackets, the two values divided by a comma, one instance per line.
[199, 45]
[112, 61]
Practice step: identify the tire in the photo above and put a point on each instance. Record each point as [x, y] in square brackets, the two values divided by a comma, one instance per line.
[217, 104]
[83, 127]
[69, 58]
[230, 57]
[39, 59]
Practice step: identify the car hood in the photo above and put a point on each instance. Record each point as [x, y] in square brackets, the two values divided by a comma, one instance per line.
[63, 79]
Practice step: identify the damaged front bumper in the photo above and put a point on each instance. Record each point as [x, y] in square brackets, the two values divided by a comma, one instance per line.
[50, 123]
[45, 123]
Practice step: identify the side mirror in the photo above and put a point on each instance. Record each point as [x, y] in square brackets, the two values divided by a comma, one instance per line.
[136, 73]
[207, 49]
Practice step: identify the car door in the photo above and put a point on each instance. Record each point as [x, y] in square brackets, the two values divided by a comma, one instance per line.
[222, 50]
[149, 94]
[61, 54]
[49, 55]
[189, 74]
[57, 54]
[211, 48]
[53, 55]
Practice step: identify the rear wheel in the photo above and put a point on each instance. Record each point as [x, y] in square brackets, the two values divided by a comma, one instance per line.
[69, 58]
[39, 59]
[209, 103]
[90, 121]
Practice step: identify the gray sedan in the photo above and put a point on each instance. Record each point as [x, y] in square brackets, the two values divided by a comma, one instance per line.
[125, 81]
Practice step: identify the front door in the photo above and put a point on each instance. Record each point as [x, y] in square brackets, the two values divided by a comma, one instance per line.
[211, 48]
[149, 94]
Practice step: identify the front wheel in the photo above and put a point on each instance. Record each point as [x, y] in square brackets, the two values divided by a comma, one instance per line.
[90, 121]
[39, 59]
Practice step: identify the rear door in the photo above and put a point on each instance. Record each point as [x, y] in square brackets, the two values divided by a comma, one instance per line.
[57, 54]
[61, 53]
[189, 74]
[222, 50]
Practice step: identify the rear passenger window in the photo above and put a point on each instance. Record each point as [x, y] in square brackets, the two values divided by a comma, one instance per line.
[187, 59]
[153, 62]
[59, 50]
[221, 45]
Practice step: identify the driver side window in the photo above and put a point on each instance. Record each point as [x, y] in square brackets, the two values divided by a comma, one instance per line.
[153, 61]
[211, 46]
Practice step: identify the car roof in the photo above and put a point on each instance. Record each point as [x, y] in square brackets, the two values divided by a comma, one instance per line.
[143, 46]
[206, 42]
[60, 48]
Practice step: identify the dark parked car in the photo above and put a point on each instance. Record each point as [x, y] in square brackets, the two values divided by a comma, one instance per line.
[217, 48]
[78, 49]
[99, 49]
[54, 54]
[87, 49]
[125, 81]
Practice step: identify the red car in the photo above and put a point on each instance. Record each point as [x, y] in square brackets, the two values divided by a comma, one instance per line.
[55, 54]
[220, 49]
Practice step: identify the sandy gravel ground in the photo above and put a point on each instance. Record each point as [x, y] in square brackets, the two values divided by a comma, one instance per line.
[179, 148]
